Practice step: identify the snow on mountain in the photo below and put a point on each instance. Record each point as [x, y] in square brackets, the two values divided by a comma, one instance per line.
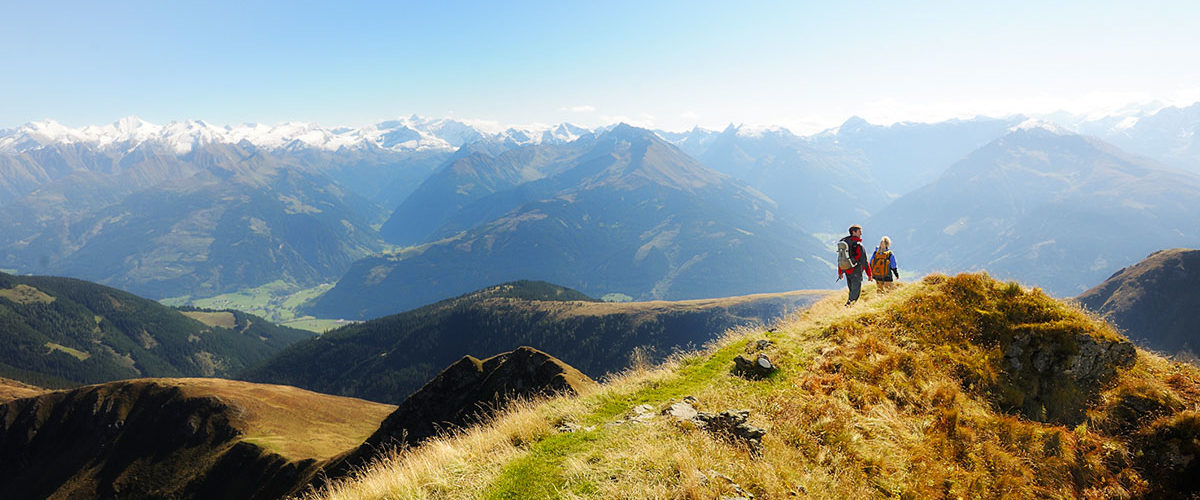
[404, 134]
[1037, 124]
[1169, 134]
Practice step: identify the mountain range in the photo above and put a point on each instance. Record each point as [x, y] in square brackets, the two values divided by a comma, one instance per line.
[193, 210]
[218, 219]
[624, 213]
[1043, 206]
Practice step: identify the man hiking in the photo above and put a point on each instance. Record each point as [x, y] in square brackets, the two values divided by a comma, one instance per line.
[858, 263]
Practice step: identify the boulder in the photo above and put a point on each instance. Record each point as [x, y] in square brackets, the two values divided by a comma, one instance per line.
[753, 369]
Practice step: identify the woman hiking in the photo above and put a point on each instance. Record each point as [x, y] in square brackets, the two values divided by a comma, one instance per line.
[883, 266]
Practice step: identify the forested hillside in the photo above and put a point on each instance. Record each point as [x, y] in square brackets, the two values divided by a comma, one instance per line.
[60, 332]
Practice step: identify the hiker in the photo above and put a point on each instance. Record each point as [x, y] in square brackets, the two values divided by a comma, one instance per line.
[856, 265]
[883, 266]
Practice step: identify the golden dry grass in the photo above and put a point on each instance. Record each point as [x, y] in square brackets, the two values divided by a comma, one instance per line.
[894, 397]
[295, 423]
[12, 389]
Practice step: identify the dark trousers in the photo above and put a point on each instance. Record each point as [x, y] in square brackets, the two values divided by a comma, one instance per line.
[854, 282]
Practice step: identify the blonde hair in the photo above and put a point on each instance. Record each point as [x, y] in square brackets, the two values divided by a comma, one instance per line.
[885, 242]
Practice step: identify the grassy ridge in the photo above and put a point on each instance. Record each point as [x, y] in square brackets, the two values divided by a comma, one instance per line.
[388, 358]
[908, 394]
[12, 389]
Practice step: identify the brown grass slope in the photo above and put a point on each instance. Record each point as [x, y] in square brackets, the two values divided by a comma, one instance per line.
[11, 389]
[175, 438]
[1155, 302]
[954, 387]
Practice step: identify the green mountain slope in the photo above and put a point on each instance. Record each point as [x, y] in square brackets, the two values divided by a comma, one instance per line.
[473, 173]
[387, 358]
[62, 331]
[955, 387]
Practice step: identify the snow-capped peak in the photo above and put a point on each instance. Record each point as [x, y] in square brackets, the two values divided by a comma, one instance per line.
[1036, 124]
[761, 131]
[403, 134]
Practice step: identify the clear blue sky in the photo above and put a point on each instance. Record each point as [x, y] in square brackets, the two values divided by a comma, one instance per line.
[666, 64]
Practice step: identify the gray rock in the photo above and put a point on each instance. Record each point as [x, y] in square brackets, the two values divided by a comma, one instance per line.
[754, 369]
[642, 413]
[681, 411]
[733, 425]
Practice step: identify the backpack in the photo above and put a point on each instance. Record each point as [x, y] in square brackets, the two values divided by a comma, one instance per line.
[881, 263]
[843, 259]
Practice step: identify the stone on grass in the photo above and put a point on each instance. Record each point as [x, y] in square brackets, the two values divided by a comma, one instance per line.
[754, 369]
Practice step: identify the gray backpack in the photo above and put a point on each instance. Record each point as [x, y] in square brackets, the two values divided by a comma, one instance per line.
[844, 263]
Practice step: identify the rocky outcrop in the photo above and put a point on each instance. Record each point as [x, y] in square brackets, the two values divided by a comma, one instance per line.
[1087, 361]
[731, 425]
[472, 389]
[1053, 373]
